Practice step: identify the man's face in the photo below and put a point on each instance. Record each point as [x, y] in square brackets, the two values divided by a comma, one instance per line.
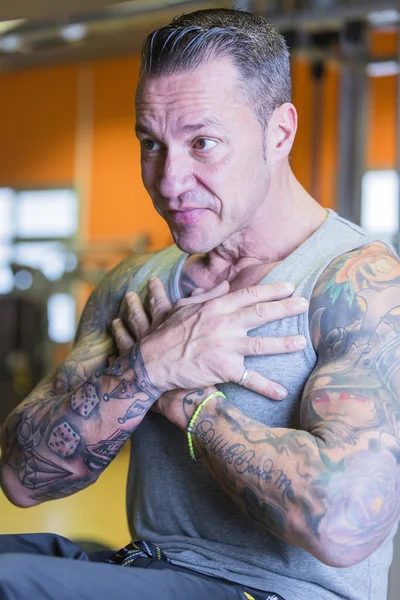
[202, 154]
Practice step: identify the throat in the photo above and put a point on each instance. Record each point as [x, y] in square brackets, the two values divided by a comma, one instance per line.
[196, 274]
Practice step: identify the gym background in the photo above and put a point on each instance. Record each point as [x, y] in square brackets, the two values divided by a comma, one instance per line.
[72, 203]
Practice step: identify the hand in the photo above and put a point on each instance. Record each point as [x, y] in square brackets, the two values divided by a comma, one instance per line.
[177, 406]
[203, 339]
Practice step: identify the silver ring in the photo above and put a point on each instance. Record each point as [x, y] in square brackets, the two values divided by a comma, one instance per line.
[243, 377]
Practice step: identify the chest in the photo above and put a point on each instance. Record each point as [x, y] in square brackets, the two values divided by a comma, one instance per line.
[195, 274]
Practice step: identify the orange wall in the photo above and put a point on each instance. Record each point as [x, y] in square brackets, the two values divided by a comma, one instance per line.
[41, 133]
[381, 147]
[304, 101]
[37, 127]
[381, 120]
[120, 203]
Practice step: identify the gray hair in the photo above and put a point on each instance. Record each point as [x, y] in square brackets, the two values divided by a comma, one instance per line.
[258, 51]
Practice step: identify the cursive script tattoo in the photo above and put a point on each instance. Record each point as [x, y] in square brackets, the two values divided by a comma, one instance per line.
[243, 459]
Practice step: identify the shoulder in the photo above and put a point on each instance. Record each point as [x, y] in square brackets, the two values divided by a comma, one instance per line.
[103, 303]
[353, 280]
[373, 264]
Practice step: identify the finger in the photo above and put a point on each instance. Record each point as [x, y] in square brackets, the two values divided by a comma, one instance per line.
[253, 295]
[122, 336]
[265, 312]
[222, 289]
[261, 385]
[264, 346]
[160, 306]
[197, 291]
[136, 315]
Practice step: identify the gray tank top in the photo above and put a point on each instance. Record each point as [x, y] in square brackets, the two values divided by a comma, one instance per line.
[177, 504]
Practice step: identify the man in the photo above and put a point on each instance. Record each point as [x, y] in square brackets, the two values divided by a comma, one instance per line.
[296, 499]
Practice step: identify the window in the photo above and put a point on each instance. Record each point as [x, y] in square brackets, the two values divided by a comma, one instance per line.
[380, 204]
[36, 231]
[47, 213]
[61, 311]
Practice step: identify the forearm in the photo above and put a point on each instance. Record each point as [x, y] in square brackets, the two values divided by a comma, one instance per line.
[257, 466]
[58, 445]
[291, 484]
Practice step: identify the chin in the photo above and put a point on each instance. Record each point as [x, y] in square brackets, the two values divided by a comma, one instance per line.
[193, 244]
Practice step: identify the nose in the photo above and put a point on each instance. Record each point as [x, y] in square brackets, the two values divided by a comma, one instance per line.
[175, 177]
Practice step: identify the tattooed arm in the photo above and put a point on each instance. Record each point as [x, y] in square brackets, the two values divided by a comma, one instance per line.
[332, 488]
[63, 435]
[61, 438]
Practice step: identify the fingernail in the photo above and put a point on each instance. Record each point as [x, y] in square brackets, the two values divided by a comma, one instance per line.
[300, 342]
[281, 392]
[151, 279]
[289, 287]
[300, 302]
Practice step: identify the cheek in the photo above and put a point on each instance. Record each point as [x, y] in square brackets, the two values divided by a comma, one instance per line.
[148, 175]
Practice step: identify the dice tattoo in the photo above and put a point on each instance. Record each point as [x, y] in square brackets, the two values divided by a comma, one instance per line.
[84, 400]
[63, 440]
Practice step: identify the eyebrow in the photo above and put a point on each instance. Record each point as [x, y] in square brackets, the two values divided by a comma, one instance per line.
[189, 128]
[140, 128]
[210, 121]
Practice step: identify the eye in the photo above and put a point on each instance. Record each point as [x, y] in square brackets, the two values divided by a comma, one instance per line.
[204, 144]
[149, 145]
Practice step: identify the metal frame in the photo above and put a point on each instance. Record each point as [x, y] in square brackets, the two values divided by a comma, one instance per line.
[352, 132]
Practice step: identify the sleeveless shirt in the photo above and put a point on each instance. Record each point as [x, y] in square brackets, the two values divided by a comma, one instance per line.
[176, 503]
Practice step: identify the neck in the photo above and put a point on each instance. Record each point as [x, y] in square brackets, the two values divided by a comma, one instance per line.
[283, 222]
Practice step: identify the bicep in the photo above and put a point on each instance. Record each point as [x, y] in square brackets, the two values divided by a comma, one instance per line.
[355, 326]
[351, 400]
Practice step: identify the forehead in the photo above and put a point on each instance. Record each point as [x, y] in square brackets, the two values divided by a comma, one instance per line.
[212, 88]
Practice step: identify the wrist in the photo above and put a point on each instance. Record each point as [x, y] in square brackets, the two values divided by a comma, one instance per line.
[201, 422]
[153, 365]
[190, 402]
[143, 380]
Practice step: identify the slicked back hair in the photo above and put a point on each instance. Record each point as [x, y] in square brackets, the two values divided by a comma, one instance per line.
[255, 47]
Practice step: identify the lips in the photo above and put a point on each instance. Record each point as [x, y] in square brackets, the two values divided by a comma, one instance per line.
[188, 216]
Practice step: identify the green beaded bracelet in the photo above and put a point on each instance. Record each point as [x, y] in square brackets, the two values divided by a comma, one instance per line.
[196, 413]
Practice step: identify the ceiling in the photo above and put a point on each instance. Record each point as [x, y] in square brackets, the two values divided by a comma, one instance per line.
[43, 32]
[43, 10]
[31, 31]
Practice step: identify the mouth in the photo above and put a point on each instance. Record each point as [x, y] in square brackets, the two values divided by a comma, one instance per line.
[188, 216]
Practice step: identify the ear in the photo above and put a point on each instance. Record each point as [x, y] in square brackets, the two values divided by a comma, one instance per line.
[282, 129]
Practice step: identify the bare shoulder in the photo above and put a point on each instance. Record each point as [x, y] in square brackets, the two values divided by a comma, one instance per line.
[103, 303]
[355, 328]
[365, 280]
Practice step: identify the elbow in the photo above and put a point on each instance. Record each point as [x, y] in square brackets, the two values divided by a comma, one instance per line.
[333, 545]
[338, 552]
[331, 557]
[13, 490]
